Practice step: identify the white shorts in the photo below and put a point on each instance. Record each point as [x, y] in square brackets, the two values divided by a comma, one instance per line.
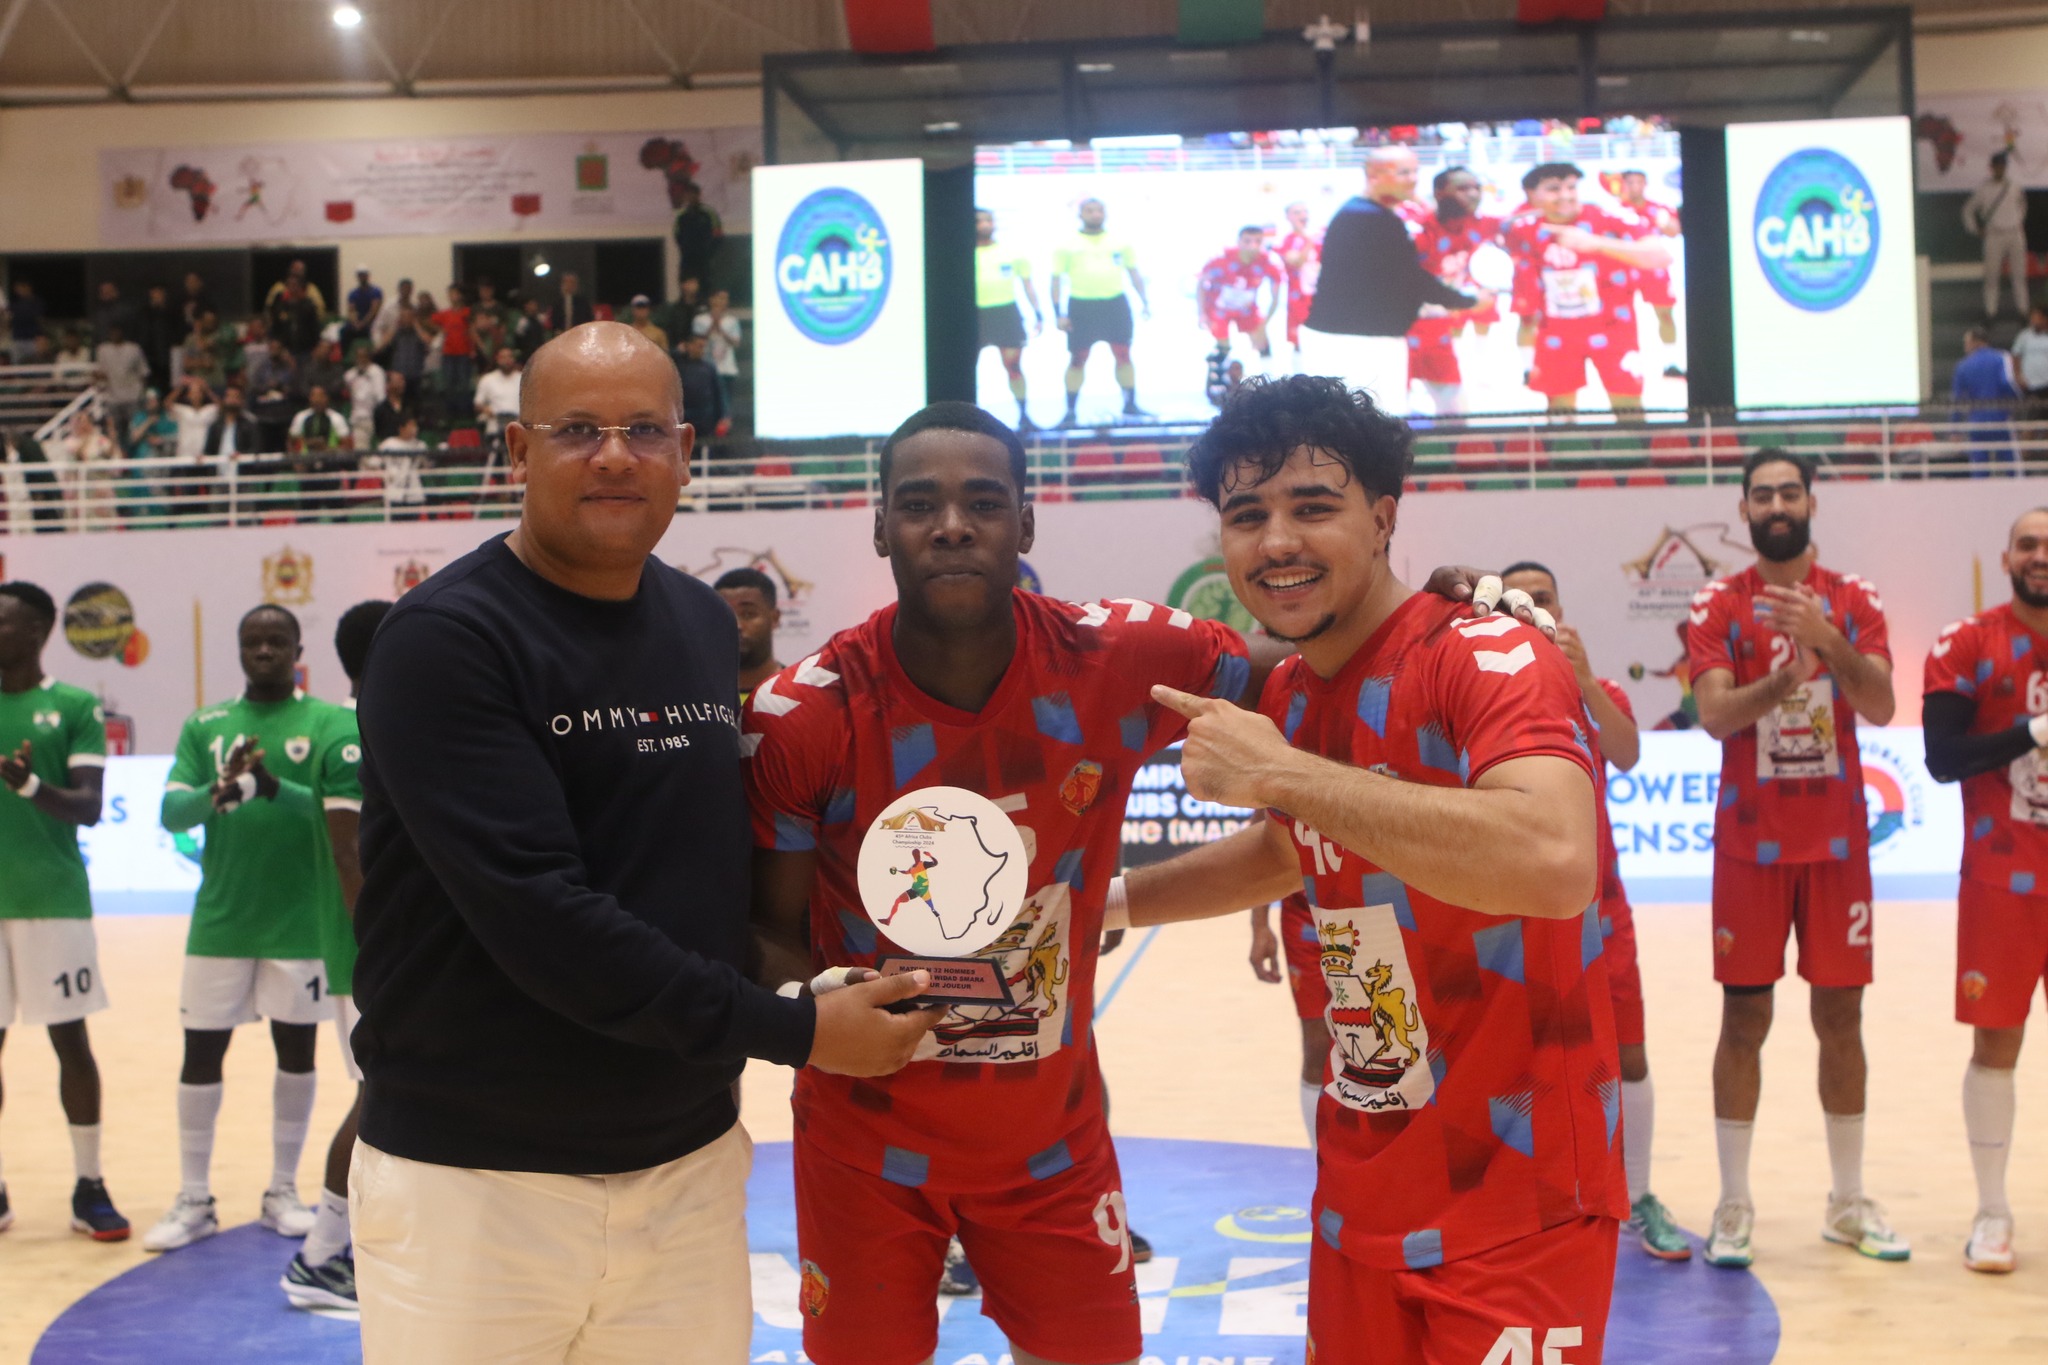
[50, 971]
[1379, 365]
[223, 992]
[345, 1017]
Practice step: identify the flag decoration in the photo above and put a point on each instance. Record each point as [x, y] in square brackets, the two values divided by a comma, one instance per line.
[1222, 21]
[889, 25]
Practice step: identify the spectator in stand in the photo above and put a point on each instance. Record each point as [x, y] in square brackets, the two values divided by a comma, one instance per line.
[678, 317]
[572, 309]
[109, 311]
[125, 372]
[24, 451]
[642, 321]
[325, 369]
[73, 361]
[318, 442]
[394, 410]
[1997, 211]
[232, 434]
[365, 302]
[230, 350]
[152, 433]
[405, 355]
[486, 333]
[193, 411]
[365, 383]
[399, 460]
[157, 333]
[255, 345]
[274, 393]
[488, 304]
[92, 454]
[458, 358]
[2030, 349]
[532, 332]
[703, 395]
[295, 277]
[1987, 388]
[198, 300]
[385, 325]
[497, 395]
[295, 318]
[697, 233]
[24, 322]
[720, 329]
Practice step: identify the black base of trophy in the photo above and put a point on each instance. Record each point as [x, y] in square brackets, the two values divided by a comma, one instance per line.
[955, 980]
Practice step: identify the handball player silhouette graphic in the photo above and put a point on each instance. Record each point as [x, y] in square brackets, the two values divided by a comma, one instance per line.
[920, 884]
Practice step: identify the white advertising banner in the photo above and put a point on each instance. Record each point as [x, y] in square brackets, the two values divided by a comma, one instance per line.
[135, 865]
[545, 184]
[839, 327]
[1955, 136]
[1820, 244]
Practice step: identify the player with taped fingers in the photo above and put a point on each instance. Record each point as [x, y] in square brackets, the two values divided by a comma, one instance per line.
[53, 754]
[1985, 714]
[245, 769]
[1430, 786]
[1615, 740]
[1296, 951]
[1785, 656]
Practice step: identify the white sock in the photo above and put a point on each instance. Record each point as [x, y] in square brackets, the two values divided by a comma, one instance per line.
[1731, 1143]
[1988, 1106]
[1638, 1126]
[198, 1108]
[1845, 1154]
[85, 1150]
[291, 1111]
[1311, 1100]
[329, 1237]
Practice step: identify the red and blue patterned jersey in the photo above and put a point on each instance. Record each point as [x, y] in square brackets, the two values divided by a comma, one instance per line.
[1563, 288]
[1475, 1089]
[1229, 285]
[1446, 251]
[1301, 279]
[997, 1095]
[1791, 784]
[1999, 664]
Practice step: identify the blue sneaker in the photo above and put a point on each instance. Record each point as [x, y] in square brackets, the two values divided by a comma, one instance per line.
[93, 1212]
[331, 1284]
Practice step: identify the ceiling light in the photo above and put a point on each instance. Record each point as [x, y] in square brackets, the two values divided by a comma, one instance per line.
[1095, 68]
[347, 16]
[541, 269]
[948, 126]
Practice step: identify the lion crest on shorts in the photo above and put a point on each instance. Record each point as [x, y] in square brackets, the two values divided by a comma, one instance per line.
[815, 1290]
[1974, 985]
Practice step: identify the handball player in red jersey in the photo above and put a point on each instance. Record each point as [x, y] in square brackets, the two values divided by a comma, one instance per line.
[1445, 238]
[1227, 295]
[1301, 252]
[1431, 787]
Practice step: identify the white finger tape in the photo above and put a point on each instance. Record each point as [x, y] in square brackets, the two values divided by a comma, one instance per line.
[831, 979]
[1514, 602]
[1545, 622]
[1487, 594]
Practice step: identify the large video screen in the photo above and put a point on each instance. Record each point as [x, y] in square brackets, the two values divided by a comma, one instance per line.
[839, 322]
[1452, 270]
[1821, 259]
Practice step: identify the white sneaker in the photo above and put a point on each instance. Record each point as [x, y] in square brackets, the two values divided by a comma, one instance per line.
[188, 1220]
[283, 1214]
[1728, 1243]
[1990, 1246]
[1860, 1223]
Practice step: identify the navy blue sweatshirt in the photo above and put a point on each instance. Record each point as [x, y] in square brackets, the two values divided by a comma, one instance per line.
[1371, 281]
[553, 920]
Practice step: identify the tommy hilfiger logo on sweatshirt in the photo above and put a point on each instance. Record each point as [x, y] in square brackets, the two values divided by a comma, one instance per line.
[633, 717]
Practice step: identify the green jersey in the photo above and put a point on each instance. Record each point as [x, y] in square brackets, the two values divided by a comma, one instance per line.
[45, 873]
[337, 785]
[996, 272]
[267, 882]
[1094, 264]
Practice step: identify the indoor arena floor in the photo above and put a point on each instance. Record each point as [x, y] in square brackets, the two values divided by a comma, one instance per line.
[1195, 1050]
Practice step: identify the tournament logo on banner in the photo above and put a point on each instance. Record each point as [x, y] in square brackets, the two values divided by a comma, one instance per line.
[1816, 229]
[833, 266]
[1893, 796]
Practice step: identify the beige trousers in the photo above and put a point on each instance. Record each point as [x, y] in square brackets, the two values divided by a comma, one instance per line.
[466, 1267]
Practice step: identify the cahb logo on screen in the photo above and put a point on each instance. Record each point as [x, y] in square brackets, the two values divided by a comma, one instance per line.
[1816, 229]
[833, 266]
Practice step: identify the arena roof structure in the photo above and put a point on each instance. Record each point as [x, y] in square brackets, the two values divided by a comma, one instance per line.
[54, 51]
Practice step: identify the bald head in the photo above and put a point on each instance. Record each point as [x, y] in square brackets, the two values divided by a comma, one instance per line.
[594, 354]
[1391, 173]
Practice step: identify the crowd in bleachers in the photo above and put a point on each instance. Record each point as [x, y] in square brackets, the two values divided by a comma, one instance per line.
[385, 405]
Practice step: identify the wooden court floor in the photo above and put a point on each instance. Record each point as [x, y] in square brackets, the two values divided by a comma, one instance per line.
[1194, 1047]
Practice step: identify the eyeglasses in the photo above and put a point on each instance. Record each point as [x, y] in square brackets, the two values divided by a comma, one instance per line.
[581, 440]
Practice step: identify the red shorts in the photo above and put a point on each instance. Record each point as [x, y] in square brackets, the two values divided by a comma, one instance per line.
[1562, 354]
[1545, 1296]
[2001, 954]
[1297, 313]
[1430, 355]
[1757, 905]
[1304, 950]
[1654, 288]
[1624, 975]
[1221, 323]
[1054, 1258]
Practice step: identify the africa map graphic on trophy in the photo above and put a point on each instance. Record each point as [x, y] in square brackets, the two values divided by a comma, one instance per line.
[942, 874]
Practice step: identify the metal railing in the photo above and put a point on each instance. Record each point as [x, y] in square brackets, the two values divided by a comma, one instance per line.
[470, 483]
[40, 396]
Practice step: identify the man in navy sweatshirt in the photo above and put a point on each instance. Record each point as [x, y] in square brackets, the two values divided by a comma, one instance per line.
[553, 920]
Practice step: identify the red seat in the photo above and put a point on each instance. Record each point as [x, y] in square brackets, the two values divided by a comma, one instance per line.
[774, 469]
[1476, 454]
[1672, 447]
[1647, 481]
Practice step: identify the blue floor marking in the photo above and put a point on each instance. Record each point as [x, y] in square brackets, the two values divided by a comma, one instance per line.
[1123, 974]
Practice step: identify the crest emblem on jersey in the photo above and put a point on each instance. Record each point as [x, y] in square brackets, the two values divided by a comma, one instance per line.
[298, 748]
[288, 578]
[1380, 1045]
[45, 720]
[815, 1290]
[1082, 786]
[1974, 985]
[943, 871]
[1724, 942]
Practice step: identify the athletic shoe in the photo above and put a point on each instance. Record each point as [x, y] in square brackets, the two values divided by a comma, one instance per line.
[958, 1277]
[93, 1213]
[6, 1213]
[1133, 413]
[1673, 372]
[1661, 1237]
[188, 1220]
[1990, 1246]
[1141, 1250]
[1728, 1244]
[1860, 1223]
[331, 1284]
[283, 1214]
